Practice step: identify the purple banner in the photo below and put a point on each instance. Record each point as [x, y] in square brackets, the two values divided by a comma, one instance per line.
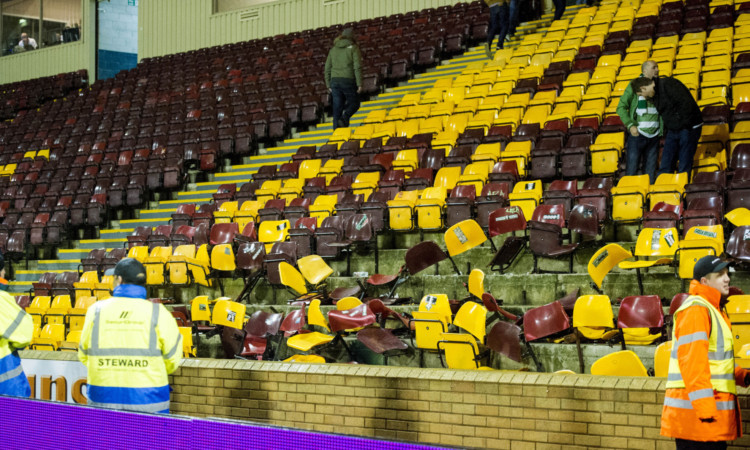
[36, 424]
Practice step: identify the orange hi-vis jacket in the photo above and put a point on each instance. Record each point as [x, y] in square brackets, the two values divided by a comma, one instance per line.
[700, 399]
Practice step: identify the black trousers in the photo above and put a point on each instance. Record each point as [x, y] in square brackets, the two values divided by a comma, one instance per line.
[684, 444]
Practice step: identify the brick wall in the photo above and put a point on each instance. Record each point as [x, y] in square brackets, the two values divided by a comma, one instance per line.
[481, 409]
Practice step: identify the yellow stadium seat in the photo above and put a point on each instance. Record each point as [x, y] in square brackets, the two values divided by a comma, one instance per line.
[460, 350]
[442, 109]
[445, 140]
[177, 265]
[401, 210]
[271, 231]
[200, 309]
[661, 359]
[365, 183]
[430, 208]
[447, 177]
[228, 313]
[738, 308]
[604, 260]
[375, 116]
[188, 349]
[487, 152]
[59, 308]
[699, 241]
[322, 207]
[247, 213]
[364, 131]
[605, 153]
[76, 315]
[268, 190]
[463, 236]
[314, 269]
[85, 285]
[544, 98]
[138, 252]
[331, 169]
[225, 213]
[476, 283]
[475, 174]
[622, 363]
[432, 125]
[292, 188]
[307, 359]
[70, 344]
[38, 307]
[222, 257]
[406, 160]
[482, 119]
[593, 317]
[341, 134]
[537, 113]
[510, 117]
[407, 128]
[200, 266]
[527, 195]
[49, 338]
[738, 217]
[468, 105]
[657, 244]
[458, 122]
[520, 152]
[104, 288]
[428, 329]
[668, 188]
[629, 198]
[156, 264]
[306, 341]
[292, 278]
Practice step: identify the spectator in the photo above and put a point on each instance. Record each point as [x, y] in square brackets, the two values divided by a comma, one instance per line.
[499, 24]
[4, 285]
[343, 76]
[16, 329]
[513, 18]
[682, 121]
[700, 405]
[26, 42]
[641, 119]
[559, 8]
[130, 345]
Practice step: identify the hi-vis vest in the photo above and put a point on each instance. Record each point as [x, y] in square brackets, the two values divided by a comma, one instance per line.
[720, 353]
[16, 329]
[129, 346]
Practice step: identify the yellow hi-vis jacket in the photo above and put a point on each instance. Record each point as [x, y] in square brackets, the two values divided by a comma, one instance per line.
[129, 345]
[16, 330]
[702, 374]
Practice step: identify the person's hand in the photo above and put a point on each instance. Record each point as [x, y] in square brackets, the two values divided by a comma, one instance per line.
[330, 90]
[634, 131]
[359, 90]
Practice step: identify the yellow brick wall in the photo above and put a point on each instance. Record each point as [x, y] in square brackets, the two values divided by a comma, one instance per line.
[480, 409]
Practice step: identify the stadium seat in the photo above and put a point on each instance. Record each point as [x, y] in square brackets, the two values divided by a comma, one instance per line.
[622, 363]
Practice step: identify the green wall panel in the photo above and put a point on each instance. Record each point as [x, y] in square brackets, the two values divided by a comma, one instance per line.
[173, 26]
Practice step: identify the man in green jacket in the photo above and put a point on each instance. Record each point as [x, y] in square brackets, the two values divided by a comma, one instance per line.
[644, 126]
[343, 75]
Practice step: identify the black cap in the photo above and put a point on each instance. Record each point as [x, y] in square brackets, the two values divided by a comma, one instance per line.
[131, 271]
[706, 265]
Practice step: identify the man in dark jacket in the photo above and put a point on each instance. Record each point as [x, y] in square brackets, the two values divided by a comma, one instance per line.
[343, 75]
[682, 120]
